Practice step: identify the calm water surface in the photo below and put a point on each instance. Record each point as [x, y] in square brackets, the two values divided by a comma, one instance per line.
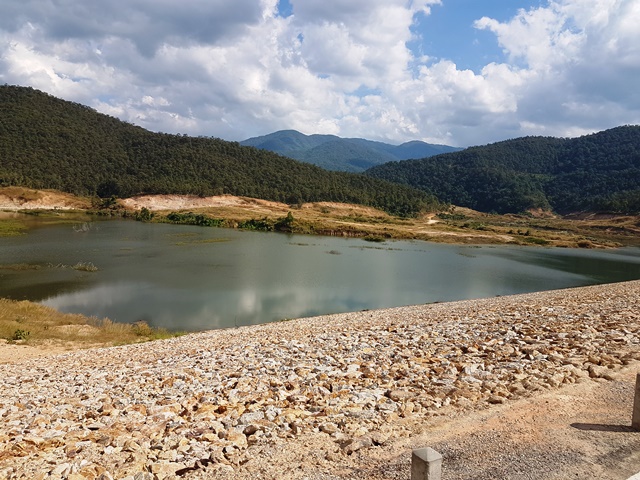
[192, 278]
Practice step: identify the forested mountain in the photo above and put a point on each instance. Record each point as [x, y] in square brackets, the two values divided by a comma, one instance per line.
[342, 154]
[46, 142]
[598, 172]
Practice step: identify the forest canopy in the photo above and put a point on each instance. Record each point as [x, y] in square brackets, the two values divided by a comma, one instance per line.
[595, 173]
[46, 142]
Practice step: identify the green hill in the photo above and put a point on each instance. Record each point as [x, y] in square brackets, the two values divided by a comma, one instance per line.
[598, 172]
[46, 142]
[342, 154]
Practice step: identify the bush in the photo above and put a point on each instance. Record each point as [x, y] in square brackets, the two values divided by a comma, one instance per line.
[142, 329]
[451, 216]
[285, 224]
[20, 334]
[193, 219]
[144, 215]
[264, 225]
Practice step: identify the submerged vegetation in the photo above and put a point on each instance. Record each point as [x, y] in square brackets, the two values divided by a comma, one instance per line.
[10, 227]
[85, 267]
[79, 266]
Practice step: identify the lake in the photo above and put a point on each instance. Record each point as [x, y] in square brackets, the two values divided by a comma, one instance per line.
[194, 278]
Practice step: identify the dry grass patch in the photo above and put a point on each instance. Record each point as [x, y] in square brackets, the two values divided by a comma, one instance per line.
[21, 197]
[21, 193]
[30, 323]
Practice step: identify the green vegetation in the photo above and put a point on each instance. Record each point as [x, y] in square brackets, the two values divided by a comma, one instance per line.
[20, 334]
[144, 215]
[284, 224]
[451, 216]
[265, 224]
[194, 219]
[596, 173]
[536, 241]
[48, 143]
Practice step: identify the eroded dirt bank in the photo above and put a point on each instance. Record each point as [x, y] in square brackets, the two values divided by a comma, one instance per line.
[535, 386]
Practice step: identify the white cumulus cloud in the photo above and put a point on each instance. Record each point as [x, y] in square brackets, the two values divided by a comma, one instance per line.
[238, 69]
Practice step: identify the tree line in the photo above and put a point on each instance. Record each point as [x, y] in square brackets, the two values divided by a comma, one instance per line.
[598, 172]
[46, 142]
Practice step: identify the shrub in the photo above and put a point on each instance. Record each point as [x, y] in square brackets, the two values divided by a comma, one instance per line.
[264, 225]
[285, 224]
[142, 329]
[20, 334]
[144, 215]
[194, 219]
[451, 216]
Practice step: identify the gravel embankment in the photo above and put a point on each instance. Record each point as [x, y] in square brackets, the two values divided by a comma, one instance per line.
[239, 403]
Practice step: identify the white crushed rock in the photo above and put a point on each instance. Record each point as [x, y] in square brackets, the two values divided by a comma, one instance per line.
[204, 405]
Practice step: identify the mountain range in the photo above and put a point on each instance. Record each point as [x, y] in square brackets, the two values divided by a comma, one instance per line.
[342, 154]
[49, 143]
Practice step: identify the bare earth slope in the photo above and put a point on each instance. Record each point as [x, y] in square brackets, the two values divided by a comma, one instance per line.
[18, 198]
[536, 386]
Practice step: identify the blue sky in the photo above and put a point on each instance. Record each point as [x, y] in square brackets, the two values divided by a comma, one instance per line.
[457, 72]
[285, 8]
[448, 32]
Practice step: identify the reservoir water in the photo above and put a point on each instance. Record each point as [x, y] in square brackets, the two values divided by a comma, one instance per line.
[194, 278]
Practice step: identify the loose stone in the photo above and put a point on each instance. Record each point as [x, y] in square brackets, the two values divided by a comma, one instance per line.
[207, 402]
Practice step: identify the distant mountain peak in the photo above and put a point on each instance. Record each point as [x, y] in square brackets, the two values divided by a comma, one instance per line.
[343, 154]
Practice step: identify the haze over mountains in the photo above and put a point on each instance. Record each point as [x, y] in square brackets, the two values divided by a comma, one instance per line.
[342, 154]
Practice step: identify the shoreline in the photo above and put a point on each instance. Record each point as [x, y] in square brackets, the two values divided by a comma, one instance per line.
[334, 397]
[458, 225]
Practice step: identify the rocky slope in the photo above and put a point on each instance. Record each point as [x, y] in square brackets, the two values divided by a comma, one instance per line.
[317, 398]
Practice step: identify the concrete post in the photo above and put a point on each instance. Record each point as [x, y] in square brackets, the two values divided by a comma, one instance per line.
[426, 464]
[635, 419]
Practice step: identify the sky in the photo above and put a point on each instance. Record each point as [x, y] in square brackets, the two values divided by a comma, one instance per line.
[454, 72]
